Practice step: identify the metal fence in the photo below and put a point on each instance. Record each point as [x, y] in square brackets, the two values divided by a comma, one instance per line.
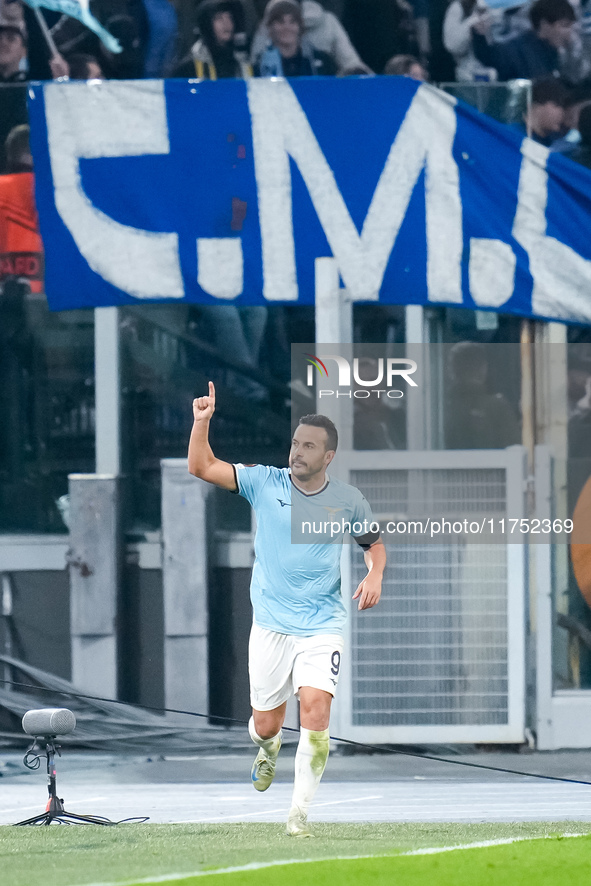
[442, 657]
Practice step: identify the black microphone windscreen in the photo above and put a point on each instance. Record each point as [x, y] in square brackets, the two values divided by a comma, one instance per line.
[49, 721]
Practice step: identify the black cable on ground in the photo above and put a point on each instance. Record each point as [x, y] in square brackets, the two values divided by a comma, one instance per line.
[358, 744]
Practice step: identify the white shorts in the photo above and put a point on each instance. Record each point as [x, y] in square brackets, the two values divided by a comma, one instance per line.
[279, 664]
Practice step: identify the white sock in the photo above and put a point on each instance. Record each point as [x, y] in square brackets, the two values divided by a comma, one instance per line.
[269, 745]
[311, 757]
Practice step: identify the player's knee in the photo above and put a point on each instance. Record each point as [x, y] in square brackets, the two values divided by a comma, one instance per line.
[314, 721]
[268, 732]
[314, 709]
[267, 723]
[314, 714]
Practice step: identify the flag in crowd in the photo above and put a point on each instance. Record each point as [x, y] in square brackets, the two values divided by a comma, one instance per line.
[78, 9]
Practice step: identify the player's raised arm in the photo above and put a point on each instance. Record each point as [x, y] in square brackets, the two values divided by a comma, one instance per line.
[202, 461]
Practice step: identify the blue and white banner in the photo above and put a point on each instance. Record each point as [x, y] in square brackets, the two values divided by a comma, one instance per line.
[78, 9]
[226, 192]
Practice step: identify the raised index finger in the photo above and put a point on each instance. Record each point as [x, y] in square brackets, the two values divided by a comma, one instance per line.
[212, 391]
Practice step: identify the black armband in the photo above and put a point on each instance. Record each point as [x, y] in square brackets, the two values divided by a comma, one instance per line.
[367, 540]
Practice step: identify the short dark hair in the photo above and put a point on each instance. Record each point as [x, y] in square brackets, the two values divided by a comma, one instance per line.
[322, 421]
[15, 28]
[400, 65]
[549, 89]
[276, 9]
[550, 11]
[17, 146]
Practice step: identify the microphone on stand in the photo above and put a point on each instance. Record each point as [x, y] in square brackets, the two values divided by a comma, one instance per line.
[45, 725]
[49, 721]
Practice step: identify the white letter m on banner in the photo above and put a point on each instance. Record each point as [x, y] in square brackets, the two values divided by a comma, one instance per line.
[281, 130]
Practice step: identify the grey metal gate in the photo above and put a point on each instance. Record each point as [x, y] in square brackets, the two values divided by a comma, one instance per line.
[442, 657]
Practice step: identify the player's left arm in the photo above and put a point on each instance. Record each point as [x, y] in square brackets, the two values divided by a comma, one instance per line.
[369, 590]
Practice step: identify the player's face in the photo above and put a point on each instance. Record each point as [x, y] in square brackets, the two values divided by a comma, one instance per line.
[308, 455]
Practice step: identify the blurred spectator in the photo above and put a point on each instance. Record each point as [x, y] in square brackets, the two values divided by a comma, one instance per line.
[18, 150]
[582, 153]
[579, 426]
[533, 54]
[544, 120]
[82, 66]
[12, 11]
[126, 20]
[13, 51]
[461, 17]
[356, 71]
[247, 21]
[38, 54]
[406, 66]
[290, 55]
[21, 248]
[214, 55]
[578, 375]
[441, 62]
[381, 29]
[162, 37]
[579, 419]
[577, 99]
[575, 58]
[14, 48]
[13, 102]
[131, 32]
[585, 26]
[324, 32]
[420, 13]
[476, 418]
[378, 423]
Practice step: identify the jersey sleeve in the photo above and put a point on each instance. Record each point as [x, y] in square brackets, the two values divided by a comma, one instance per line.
[363, 515]
[250, 480]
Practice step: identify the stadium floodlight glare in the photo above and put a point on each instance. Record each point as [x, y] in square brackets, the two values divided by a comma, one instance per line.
[46, 725]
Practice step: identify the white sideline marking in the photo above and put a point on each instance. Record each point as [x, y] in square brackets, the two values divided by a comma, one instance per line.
[255, 865]
[349, 800]
[39, 805]
[198, 757]
[273, 811]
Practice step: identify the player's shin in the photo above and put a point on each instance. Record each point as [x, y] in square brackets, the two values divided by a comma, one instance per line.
[263, 769]
[310, 762]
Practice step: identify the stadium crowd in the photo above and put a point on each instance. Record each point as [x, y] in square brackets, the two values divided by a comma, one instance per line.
[463, 40]
[466, 41]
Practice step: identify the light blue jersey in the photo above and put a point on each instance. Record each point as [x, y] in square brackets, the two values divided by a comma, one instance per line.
[296, 588]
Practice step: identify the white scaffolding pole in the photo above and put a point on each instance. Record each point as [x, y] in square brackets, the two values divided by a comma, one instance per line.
[107, 391]
[334, 326]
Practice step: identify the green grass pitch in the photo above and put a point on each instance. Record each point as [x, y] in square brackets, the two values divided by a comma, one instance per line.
[79, 855]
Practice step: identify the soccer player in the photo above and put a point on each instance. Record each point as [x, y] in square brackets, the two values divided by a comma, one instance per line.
[297, 634]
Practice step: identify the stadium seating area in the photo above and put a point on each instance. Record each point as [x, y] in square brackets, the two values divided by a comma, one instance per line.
[463, 41]
[466, 40]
